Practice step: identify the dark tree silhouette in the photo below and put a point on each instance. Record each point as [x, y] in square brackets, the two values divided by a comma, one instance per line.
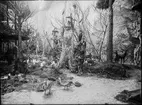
[104, 4]
[107, 4]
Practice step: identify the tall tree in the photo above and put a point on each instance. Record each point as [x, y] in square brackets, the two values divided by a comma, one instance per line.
[107, 4]
[19, 13]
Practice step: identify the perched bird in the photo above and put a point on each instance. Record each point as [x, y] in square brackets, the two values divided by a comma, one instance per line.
[66, 84]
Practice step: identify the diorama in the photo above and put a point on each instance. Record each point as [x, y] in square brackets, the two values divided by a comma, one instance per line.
[70, 52]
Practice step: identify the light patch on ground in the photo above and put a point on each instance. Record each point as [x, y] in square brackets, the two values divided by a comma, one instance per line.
[93, 91]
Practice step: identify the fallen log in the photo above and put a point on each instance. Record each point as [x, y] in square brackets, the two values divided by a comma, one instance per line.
[130, 96]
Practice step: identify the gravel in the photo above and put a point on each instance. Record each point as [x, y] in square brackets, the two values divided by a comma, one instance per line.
[93, 91]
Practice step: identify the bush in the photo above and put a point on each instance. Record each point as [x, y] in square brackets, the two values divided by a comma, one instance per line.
[111, 70]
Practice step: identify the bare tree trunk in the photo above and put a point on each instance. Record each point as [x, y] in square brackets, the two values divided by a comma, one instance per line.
[132, 48]
[47, 39]
[100, 50]
[43, 46]
[62, 56]
[7, 15]
[70, 62]
[110, 34]
[49, 42]
[16, 33]
[92, 44]
[19, 37]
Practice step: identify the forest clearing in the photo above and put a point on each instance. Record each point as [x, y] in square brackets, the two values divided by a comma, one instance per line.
[70, 52]
[93, 91]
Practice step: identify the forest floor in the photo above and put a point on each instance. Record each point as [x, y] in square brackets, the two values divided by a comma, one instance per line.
[94, 90]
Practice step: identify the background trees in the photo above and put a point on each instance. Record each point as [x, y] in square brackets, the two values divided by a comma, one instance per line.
[17, 13]
[120, 33]
[129, 27]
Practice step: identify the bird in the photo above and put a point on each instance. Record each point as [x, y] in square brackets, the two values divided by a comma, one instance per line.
[47, 86]
[66, 84]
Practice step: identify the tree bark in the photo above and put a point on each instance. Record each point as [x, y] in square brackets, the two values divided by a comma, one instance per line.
[62, 56]
[43, 47]
[100, 50]
[110, 34]
[49, 42]
[19, 37]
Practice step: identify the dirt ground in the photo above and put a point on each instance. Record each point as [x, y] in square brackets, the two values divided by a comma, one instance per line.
[94, 90]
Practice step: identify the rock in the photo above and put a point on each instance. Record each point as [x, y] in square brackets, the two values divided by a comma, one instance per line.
[77, 84]
[51, 79]
[129, 96]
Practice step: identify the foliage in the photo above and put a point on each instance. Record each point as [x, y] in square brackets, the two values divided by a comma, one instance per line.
[19, 8]
[55, 53]
[12, 84]
[111, 70]
[103, 4]
[129, 27]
